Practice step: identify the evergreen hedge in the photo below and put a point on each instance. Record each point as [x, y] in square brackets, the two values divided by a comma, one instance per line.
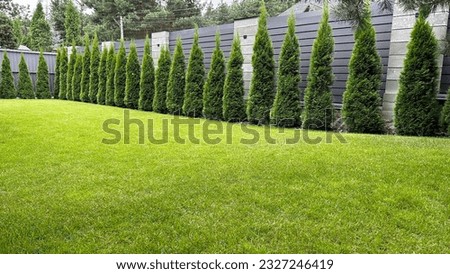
[446, 115]
[7, 87]
[416, 108]
[233, 92]
[25, 85]
[102, 78]
[120, 76]
[56, 81]
[93, 68]
[133, 73]
[286, 108]
[262, 87]
[85, 75]
[110, 67]
[147, 84]
[70, 66]
[362, 101]
[195, 79]
[161, 80]
[76, 79]
[63, 74]
[213, 90]
[42, 84]
[177, 81]
[318, 110]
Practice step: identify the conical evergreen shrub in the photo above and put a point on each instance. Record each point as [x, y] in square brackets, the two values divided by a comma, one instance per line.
[133, 80]
[177, 81]
[56, 80]
[110, 67]
[147, 84]
[262, 87]
[102, 78]
[416, 108]
[63, 74]
[7, 87]
[69, 76]
[233, 92]
[76, 79]
[25, 85]
[161, 81]
[195, 79]
[120, 76]
[361, 103]
[286, 108]
[42, 85]
[94, 65]
[213, 90]
[85, 75]
[446, 115]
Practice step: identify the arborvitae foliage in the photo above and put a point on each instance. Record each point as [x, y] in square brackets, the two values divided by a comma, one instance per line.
[69, 76]
[446, 115]
[213, 90]
[147, 84]
[42, 85]
[161, 80]
[40, 32]
[233, 92]
[286, 108]
[110, 68]
[93, 77]
[262, 88]
[416, 109]
[102, 78]
[57, 73]
[7, 89]
[177, 81]
[76, 79]
[318, 111]
[85, 75]
[7, 37]
[133, 74]
[25, 86]
[63, 74]
[72, 23]
[195, 79]
[120, 76]
[362, 101]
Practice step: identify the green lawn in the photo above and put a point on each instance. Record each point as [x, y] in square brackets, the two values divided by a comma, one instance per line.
[63, 191]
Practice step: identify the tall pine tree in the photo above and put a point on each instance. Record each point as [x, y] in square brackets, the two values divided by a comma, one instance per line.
[147, 84]
[102, 77]
[93, 77]
[177, 81]
[120, 76]
[85, 75]
[69, 76]
[76, 78]
[42, 85]
[161, 80]
[25, 85]
[110, 68]
[7, 88]
[63, 74]
[40, 33]
[133, 73]
[72, 23]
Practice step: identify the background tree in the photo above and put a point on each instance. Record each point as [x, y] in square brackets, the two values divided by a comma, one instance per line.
[72, 23]
[161, 80]
[57, 16]
[93, 76]
[120, 76]
[40, 34]
[7, 87]
[42, 84]
[177, 81]
[213, 90]
[57, 73]
[70, 69]
[195, 79]
[85, 75]
[147, 84]
[63, 74]
[416, 108]
[25, 85]
[76, 78]
[18, 30]
[286, 108]
[110, 67]
[102, 77]
[233, 92]
[362, 101]
[7, 38]
[318, 112]
[133, 80]
[262, 87]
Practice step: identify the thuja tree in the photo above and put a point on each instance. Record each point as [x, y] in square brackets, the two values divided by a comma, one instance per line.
[147, 84]
[286, 108]
[318, 110]
[262, 88]
[195, 78]
[213, 90]
[161, 80]
[446, 115]
[416, 109]
[93, 68]
[7, 89]
[69, 76]
[42, 85]
[63, 74]
[120, 76]
[361, 102]
[110, 68]
[176, 85]
[85, 75]
[102, 78]
[56, 81]
[76, 79]
[133, 73]
[25, 85]
[233, 92]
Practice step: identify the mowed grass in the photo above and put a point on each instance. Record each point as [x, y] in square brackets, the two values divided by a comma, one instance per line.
[63, 191]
